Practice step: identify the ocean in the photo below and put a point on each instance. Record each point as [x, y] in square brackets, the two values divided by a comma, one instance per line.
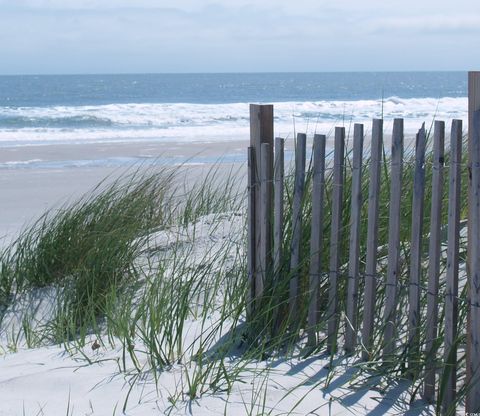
[212, 107]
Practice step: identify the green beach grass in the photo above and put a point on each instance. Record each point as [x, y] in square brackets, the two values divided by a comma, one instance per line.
[160, 271]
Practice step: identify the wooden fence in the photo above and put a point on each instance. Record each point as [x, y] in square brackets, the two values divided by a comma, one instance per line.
[343, 297]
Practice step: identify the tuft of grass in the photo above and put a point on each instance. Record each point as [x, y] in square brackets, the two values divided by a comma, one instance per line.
[88, 248]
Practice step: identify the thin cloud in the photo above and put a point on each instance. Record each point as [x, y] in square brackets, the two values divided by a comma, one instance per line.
[438, 24]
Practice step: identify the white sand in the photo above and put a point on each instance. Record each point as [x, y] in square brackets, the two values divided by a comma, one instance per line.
[46, 381]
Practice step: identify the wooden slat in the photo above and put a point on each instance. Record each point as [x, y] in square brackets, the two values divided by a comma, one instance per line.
[393, 267]
[372, 237]
[336, 224]
[453, 235]
[434, 256]
[418, 202]
[265, 221]
[299, 188]
[474, 217]
[354, 245]
[318, 190]
[472, 403]
[279, 181]
[251, 232]
[279, 313]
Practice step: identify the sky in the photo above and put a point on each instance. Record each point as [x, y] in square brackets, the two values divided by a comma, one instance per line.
[138, 36]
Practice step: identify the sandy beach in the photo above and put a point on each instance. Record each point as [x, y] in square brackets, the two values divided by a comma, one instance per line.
[36, 178]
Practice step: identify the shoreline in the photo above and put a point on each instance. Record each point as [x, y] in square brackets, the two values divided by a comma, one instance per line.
[34, 179]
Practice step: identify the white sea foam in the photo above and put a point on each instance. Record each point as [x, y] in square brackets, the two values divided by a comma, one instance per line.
[208, 122]
[15, 163]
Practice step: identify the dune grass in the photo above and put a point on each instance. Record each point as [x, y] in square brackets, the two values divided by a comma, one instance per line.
[158, 271]
[88, 248]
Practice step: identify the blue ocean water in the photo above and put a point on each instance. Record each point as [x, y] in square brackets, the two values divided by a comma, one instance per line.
[81, 90]
[209, 107]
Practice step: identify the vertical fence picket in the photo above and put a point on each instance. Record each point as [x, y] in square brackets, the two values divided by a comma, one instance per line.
[318, 189]
[372, 236]
[474, 336]
[299, 189]
[265, 220]
[336, 225]
[279, 177]
[434, 255]
[393, 267]
[278, 224]
[451, 294]
[416, 250]
[251, 232]
[354, 245]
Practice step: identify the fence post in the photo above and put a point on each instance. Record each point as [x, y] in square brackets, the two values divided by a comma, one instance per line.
[418, 203]
[336, 225]
[474, 284]
[261, 131]
[299, 188]
[451, 294]
[434, 255]
[318, 190]
[354, 246]
[393, 267]
[372, 236]
[473, 322]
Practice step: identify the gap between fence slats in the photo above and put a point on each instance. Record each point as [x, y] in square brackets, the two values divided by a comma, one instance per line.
[354, 244]
[434, 256]
[335, 234]
[316, 237]
[451, 294]
[393, 268]
[372, 237]
[299, 189]
[416, 250]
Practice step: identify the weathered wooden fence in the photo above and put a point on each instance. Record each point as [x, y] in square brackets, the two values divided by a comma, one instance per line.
[267, 225]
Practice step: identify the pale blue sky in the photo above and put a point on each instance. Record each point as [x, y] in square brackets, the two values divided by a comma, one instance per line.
[110, 36]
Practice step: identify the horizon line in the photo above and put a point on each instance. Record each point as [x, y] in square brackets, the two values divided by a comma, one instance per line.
[227, 73]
